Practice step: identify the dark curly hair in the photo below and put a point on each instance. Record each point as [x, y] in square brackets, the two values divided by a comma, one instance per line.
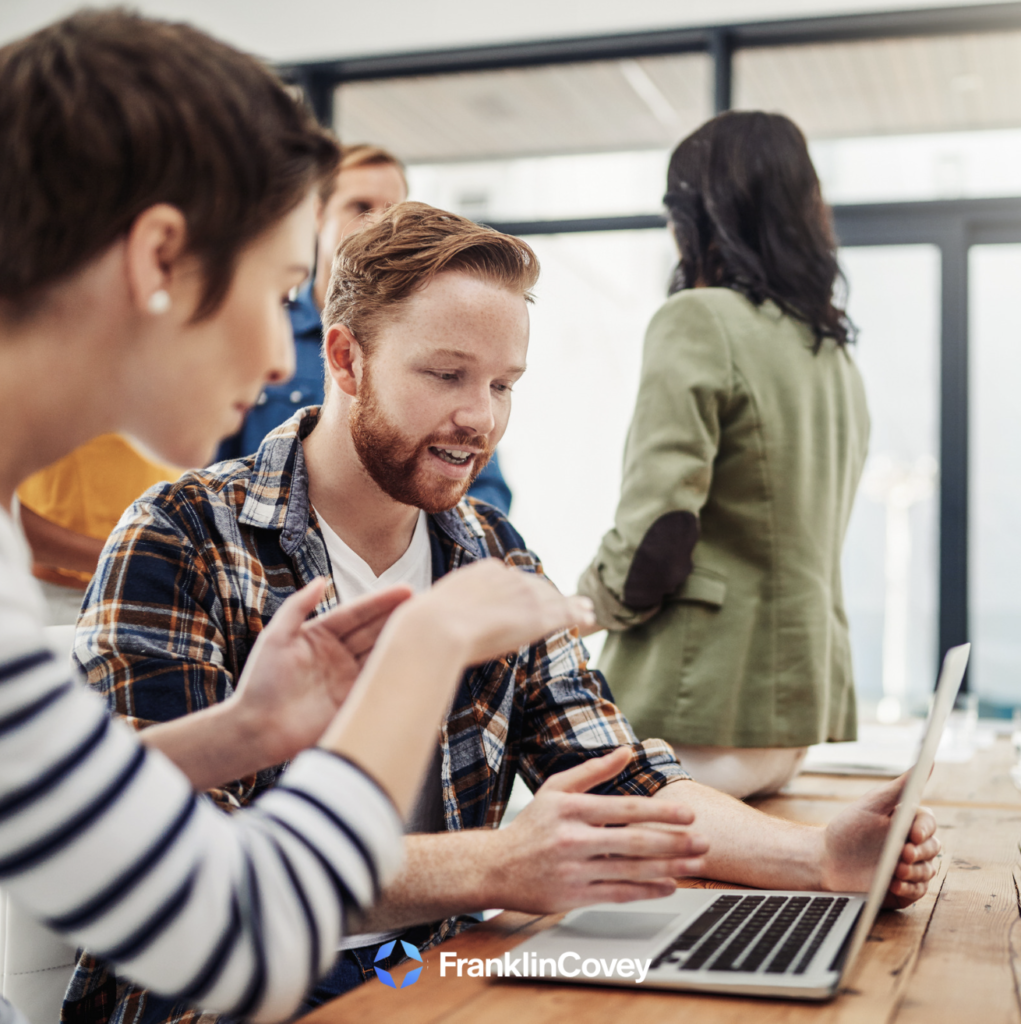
[747, 213]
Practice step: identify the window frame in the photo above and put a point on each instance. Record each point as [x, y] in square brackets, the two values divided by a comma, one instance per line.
[953, 226]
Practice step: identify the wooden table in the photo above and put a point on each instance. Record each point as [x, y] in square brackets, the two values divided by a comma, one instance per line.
[953, 956]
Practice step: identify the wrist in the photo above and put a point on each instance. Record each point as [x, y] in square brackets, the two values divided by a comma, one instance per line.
[243, 727]
[424, 624]
[494, 862]
[822, 863]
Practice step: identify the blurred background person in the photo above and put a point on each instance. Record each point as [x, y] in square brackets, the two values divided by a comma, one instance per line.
[369, 180]
[68, 509]
[720, 580]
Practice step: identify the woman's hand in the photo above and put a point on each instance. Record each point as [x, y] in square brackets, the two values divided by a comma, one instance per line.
[489, 608]
[389, 725]
[301, 670]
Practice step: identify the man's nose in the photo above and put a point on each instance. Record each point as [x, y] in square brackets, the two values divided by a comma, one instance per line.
[475, 414]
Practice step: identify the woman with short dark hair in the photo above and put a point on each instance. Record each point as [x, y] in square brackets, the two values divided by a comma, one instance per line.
[720, 581]
[156, 209]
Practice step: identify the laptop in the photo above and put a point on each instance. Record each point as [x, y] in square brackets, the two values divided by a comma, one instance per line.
[795, 945]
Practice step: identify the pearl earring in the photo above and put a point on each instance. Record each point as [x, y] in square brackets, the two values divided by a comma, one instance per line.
[159, 302]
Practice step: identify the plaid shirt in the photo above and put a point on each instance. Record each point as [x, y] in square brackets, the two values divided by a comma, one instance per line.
[195, 570]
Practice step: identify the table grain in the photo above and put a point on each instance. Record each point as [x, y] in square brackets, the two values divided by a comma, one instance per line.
[955, 956]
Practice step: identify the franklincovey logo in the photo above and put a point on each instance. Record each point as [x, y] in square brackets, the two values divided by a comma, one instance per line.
[386, 977]
[567, 965]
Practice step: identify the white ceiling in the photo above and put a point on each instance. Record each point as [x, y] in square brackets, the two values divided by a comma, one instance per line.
[310, 29]
[832, 90]
[559, 108]
[887, 86]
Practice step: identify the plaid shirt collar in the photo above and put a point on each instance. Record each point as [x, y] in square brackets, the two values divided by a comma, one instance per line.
[277, 497]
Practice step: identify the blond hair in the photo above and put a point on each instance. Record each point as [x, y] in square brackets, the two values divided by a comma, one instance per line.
[361, 154]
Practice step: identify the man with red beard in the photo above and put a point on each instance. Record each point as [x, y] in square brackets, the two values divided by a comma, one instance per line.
[426, 332]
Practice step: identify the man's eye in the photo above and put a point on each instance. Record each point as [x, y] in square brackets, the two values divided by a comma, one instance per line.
[442, 374]
[502, 389]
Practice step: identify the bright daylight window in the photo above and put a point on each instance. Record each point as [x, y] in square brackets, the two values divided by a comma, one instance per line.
[900, 119]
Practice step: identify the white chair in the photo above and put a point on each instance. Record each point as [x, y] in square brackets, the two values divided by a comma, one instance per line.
[36, 963]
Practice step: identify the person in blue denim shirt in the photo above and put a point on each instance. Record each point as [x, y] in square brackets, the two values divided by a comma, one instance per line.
[370, 179]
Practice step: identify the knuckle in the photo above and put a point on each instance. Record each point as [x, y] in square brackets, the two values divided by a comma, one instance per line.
[563, 840]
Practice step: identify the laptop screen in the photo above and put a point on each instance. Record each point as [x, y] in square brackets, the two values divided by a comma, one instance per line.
[950, 678]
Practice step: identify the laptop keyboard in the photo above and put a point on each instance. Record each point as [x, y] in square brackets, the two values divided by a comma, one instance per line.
[741, 933]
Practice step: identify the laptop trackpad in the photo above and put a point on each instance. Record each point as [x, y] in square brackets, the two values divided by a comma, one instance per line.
[612, 924]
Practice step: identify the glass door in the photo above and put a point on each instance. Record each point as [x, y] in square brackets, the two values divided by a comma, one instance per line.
[995, 470]
[891, 553]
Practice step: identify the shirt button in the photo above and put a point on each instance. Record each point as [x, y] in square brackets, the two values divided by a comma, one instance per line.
[295, 397]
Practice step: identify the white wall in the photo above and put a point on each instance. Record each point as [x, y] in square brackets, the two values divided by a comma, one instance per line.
[308, 29]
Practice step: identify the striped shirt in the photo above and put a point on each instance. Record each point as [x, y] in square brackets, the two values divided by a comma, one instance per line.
[104, 840]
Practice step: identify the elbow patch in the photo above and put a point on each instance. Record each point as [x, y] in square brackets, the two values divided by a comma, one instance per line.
[662, 561]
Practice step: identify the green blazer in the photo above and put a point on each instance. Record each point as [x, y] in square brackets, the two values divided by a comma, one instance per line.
[720, 581]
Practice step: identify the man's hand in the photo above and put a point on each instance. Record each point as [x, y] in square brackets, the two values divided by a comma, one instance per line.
[854, 838]
[301, 670]
[558, 854]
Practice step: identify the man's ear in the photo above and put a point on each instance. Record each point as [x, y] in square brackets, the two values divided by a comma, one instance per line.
[154, 246]
[344, 359]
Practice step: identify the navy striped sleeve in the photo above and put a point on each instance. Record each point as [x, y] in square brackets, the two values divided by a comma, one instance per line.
[104, 840]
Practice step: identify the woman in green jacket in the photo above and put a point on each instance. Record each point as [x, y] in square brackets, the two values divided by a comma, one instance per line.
[720, 581]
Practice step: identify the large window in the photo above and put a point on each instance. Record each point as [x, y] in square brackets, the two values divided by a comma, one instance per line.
[914, 123]
[544, 188]
[926, 117]
[891, 555]
[996, 472]
[563, 450]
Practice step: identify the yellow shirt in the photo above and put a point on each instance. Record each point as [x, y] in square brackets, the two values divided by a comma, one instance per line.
[88, 490]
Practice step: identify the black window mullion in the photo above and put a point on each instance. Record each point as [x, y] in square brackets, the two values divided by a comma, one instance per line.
[954, 429]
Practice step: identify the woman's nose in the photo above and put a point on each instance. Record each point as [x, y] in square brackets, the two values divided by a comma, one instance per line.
[282, 362]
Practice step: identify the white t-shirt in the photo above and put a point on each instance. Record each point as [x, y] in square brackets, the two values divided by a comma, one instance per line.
[353, 578]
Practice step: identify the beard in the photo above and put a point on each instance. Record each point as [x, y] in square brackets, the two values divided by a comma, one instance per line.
[395, 461]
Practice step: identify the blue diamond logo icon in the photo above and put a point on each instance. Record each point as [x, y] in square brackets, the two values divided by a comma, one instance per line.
[386, 977]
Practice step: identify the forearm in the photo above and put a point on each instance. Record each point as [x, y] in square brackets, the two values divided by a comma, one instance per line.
[388, 723]
[444, 874]
[212, 747]
[747, 846]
